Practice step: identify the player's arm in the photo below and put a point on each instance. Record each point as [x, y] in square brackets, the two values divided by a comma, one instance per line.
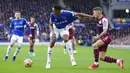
[37, 29]
[74, 29]
[29, 30]
[105, 28]
[10, 29]
[51, 23]
[83, 16]
[51, 27]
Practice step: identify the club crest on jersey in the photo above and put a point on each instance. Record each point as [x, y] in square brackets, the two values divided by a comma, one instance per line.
[55, 19]
[99, 24]
[62, 22]
[21, 23]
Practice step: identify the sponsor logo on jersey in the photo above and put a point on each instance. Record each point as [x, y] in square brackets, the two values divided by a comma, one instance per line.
[62, 22]
[19, 26]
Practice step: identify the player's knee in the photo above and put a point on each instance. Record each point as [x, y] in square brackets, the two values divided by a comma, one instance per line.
[95, 46]
[11, 45]
[52, 43]
[53, 38]
[102, 58]
[66, 37]
[31, 43]
[19, 45]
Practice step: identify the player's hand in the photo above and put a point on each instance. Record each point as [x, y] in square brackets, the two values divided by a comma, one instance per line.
[38, 35]
[95, 38]
[30, 35]
[8, 37]
[53, 33]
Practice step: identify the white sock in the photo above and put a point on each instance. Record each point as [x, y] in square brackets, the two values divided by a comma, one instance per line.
[96, 63]
[70, 49]
[49, 54]
[8, 50]
[117, 60]
[17, 51]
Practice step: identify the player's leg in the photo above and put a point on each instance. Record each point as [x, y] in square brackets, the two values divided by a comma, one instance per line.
[65, 35]
[109, 59]
[71, 37]
[96, 46]
[31, 46]
[64, 49]
[33, 52]
[50, 48]
[19, 44]
[73, 45]
[12, 42]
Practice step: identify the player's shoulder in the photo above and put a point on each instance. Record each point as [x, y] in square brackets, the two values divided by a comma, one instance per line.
[13, 20]
[22, 19]
[35, 24]
[51, 14]
[66, 11]
[28, 22]
[104, 19]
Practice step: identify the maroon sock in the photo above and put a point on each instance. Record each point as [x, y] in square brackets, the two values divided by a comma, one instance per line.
[96, 54]
[31, 49]
[110, 60]
[73, 46]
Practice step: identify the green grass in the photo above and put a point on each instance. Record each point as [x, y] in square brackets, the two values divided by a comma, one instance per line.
[61, 62]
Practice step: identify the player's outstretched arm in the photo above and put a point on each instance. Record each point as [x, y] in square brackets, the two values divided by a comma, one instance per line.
[84, 16]
[29, 30]
[10, 29]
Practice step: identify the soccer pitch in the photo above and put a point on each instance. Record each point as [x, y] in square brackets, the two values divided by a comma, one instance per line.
[61, 62]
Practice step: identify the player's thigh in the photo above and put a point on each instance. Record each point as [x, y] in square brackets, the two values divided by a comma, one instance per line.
[30, 42]
[98, 43]
[56, 34]
[13, 39]
[64, 34]
[20, 41]
[102, 55]
[106, 39]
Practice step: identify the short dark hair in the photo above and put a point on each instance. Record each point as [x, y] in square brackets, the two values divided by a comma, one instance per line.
[17, 11]
[97, 8]
[57, 7]
[32, 17]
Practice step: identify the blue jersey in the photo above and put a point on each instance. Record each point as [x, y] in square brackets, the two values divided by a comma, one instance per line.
[18, 27]
[64, 19]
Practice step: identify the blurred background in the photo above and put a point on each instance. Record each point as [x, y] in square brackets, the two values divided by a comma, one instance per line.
[117, 11]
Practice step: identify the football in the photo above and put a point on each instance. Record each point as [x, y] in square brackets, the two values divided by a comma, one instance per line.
[27, 62]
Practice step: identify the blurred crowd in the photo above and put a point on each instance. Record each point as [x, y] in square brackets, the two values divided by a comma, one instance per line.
[121, 36]
[41, 10]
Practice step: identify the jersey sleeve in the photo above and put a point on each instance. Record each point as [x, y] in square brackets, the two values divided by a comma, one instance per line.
[71, 13]
[10, 27]
[28, 26]
[37, 29]
[105, 24]
[51, 18]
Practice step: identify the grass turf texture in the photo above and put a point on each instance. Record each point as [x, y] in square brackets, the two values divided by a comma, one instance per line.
[61, 62]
